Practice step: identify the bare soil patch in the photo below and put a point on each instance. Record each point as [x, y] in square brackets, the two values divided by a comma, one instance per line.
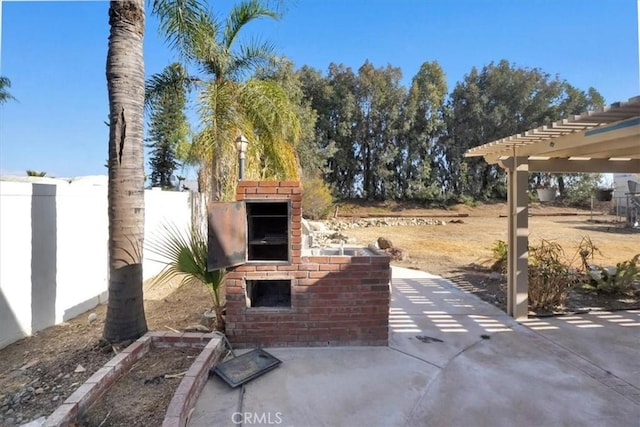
[38, 373]
[461, 249]
[141, 396]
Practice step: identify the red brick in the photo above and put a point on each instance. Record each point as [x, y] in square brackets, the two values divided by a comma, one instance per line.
[266, 267]
[284, 190]
[329, 267]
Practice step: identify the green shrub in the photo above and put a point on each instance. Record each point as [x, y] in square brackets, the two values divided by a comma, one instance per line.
[499, 256]
[550, 279]
[467, 201]
[587, 251]
[316, 199]
[618, 281]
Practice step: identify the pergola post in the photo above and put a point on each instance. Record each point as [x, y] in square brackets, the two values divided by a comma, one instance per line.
[518, 239]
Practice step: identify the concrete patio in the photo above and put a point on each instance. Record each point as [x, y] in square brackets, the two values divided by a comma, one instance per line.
[452, 360]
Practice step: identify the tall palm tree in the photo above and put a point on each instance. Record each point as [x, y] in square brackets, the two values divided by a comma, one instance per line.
[229, 102]
[5, 96]
[125, 81]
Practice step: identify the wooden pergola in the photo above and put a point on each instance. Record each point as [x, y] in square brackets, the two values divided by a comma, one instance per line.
[606, 140]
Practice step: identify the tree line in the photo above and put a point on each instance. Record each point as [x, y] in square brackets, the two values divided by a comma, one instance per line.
[370, 137]
[381, 140]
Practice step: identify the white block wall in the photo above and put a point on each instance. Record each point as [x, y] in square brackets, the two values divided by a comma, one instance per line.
[54, 249]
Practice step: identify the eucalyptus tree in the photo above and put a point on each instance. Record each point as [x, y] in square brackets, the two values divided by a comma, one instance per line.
[419, 160]
[380, 97]
[125, 82]
[5, 84]
[231, 103]
[496, 102]
[334, 99]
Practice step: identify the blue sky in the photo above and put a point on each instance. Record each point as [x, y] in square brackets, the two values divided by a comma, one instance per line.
[55, 53]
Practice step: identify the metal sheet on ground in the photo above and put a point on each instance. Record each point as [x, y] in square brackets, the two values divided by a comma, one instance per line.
[246, 367]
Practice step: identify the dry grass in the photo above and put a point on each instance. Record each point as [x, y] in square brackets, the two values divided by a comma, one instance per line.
[447, 247]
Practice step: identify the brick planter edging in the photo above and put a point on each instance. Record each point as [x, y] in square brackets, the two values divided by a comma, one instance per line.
[185, 397]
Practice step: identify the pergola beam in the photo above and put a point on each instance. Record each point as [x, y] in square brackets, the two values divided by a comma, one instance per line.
[585, 166]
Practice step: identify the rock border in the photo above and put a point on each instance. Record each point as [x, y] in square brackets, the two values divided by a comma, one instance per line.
[184, 399]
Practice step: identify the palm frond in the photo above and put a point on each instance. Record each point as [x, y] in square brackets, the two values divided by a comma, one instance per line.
[5, 96]
[241, 15]
[250, 56]
[181, 23]
[184, 253]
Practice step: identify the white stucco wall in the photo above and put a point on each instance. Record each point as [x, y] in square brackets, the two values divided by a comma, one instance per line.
[15, 261]
[163, 207]
[54, 248]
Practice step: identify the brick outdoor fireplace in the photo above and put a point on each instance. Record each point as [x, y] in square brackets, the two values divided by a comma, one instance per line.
[277, 292]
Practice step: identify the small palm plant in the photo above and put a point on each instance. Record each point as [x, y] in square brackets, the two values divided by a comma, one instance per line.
[184, 254]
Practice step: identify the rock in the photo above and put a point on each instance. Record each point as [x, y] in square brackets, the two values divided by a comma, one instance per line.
[317, 226]
[67, 376]
[495, 275]
[29, 364]
[10, 421]
[384, 243]
[35, 423]
[39, 390]
[92, 317]
[397, 254]
[55, 398]
[79, 369]
[197, 328]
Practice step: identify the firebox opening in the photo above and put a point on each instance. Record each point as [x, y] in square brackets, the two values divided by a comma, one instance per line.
[268, 293]
[268, 228]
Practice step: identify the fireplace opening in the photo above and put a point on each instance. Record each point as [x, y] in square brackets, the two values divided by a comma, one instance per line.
[268, 231]
[269, 293]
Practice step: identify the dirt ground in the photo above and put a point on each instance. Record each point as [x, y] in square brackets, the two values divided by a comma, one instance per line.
[461, 249]
[150, 385]
[38, 373]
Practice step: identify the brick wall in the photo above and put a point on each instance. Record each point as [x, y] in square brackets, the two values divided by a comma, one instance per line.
[335, 300]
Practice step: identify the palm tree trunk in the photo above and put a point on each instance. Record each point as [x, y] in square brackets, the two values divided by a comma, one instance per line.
[125, 80]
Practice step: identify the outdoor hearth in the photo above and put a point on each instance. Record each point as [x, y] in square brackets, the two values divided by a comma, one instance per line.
[279, 293]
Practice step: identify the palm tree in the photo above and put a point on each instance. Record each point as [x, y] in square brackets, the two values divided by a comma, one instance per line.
[5, 96]
[231, 104]
[184, 254]
[125, 81]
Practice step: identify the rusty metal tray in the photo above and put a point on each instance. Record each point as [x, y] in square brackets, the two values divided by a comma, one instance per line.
[246, 367]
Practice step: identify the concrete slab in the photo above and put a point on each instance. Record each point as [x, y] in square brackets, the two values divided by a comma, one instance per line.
[348, 386]
[510, 381]
[452, 360]
[610, 340]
